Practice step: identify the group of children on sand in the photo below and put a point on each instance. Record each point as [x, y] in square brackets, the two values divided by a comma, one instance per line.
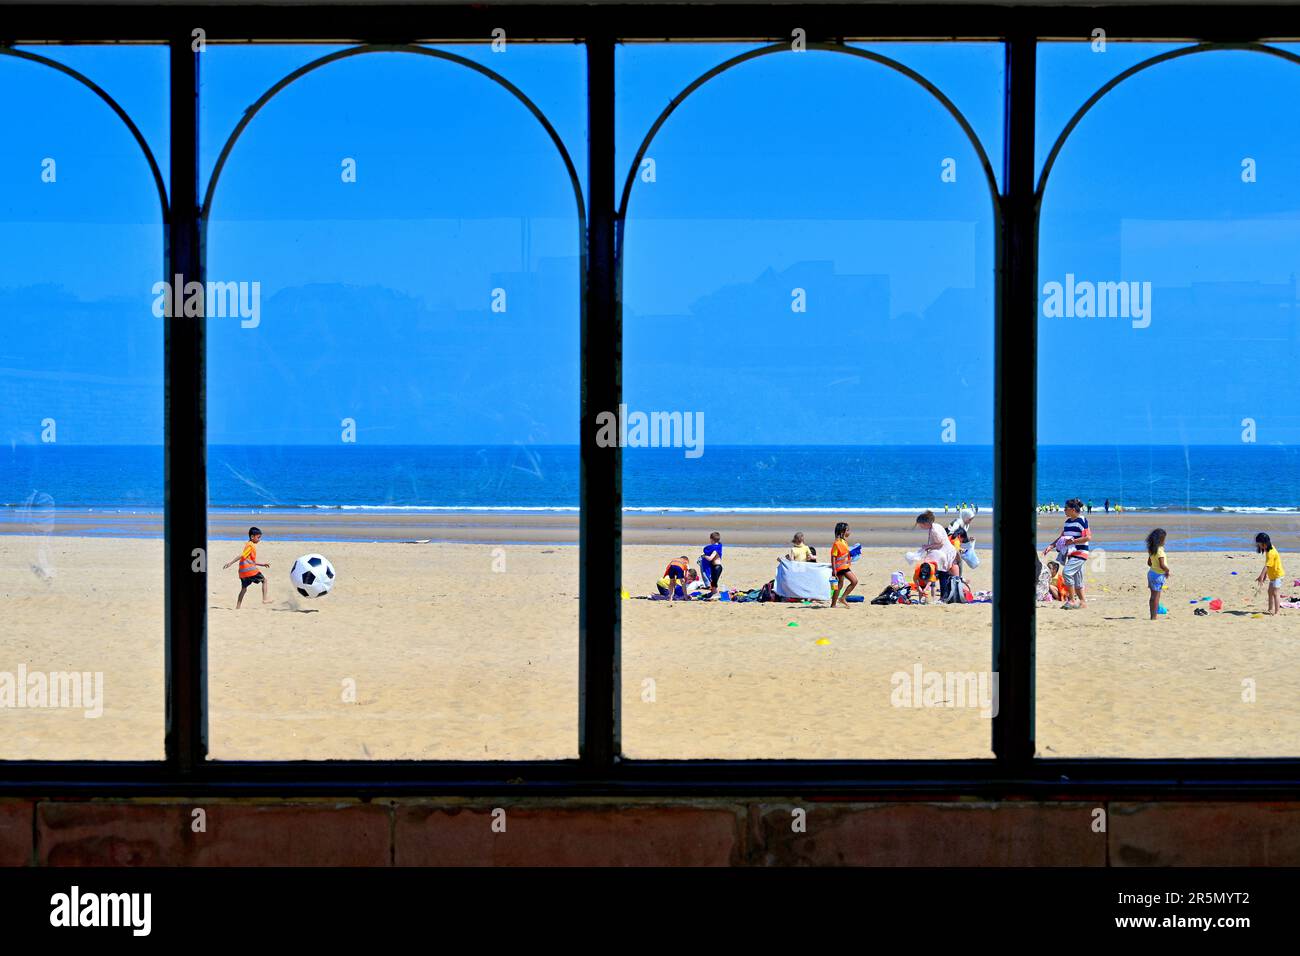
[1074, 544]
[1158, 570]
[680, 581]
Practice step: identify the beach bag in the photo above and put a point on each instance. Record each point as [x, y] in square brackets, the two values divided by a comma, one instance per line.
[803, 580]
[955, 591]
[969, 556]
[766, 593]
[893, 594]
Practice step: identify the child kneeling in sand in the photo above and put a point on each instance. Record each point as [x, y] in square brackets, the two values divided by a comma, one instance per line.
[248, 573]
[1055, 581]
[678, 578]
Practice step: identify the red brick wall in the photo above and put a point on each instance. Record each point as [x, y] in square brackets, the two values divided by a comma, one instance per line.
[656, 832]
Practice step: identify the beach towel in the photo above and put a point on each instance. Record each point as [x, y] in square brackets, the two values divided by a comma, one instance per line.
[808, 580]
[706, 570]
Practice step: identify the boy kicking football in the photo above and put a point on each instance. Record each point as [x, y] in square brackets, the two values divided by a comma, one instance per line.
[248, 573]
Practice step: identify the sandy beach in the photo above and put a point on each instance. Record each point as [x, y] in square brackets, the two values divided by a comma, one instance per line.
[461, 650]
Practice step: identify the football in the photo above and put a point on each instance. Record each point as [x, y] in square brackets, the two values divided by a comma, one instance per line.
[312, 575]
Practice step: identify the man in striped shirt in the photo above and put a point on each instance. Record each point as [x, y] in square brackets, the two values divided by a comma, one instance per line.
[1078, 541]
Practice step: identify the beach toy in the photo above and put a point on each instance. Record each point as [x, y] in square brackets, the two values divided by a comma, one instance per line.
[1257, 615]
[1232, 572]
[1207, 598]
[793, 624]
[1216, 605]
[724, 595]
[626, 596]
[822, 640]
[1162, 610]
[855, 598]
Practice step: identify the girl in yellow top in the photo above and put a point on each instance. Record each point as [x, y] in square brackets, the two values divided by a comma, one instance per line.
[840, 566]
[1157, 568]
[1272, 571]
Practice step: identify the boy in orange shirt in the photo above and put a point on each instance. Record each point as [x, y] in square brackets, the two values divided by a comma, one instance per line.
[248, 573]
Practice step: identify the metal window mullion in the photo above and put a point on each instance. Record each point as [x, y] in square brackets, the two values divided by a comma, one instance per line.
[600, 524]
[185, 439]
[1015, 419]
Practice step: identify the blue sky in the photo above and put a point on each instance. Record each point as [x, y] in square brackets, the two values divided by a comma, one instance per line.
[816, 172]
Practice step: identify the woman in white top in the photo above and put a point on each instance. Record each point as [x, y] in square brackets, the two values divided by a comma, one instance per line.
[937, 548]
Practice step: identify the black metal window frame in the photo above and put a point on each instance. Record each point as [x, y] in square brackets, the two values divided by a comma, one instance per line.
[1012, 771]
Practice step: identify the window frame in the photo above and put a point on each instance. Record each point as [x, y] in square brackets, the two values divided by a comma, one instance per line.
[600, 769]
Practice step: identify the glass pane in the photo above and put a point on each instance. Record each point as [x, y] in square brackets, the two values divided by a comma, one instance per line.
[397, 404]
[1167, 403]
[808, 334]
[81, 400]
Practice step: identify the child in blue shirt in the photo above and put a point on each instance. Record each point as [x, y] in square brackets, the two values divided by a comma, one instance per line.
[711, 563]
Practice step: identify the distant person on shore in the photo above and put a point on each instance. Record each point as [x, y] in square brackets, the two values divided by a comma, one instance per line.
[1272, 572]
[845, 579]
[711, 562]
[1077, 542]
[1107, 506]
[1089, 507]
[248, 573]
[798, 550]
[1157, 568]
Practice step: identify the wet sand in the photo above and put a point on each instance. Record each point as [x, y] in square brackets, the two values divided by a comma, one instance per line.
[1206, 530]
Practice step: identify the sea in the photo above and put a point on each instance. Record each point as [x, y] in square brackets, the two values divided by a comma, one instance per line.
[887, 478]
